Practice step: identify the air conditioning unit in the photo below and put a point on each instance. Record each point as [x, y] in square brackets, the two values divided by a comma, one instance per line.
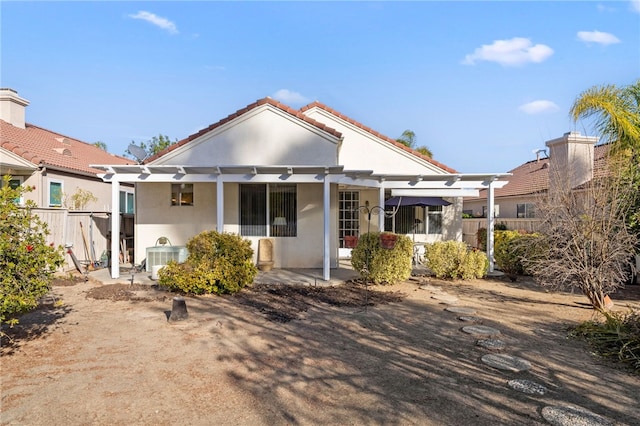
[161, 255]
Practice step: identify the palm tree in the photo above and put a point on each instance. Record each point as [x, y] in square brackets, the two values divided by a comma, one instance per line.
[408, 138]
[616, 111]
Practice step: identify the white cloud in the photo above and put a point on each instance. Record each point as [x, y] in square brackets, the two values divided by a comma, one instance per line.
[538, 107]
[156, 20]
[597, 37]
[516, 51]
[635, 6]
[287, 96]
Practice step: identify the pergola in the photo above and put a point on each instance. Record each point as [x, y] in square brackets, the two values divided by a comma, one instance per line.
[432, 185]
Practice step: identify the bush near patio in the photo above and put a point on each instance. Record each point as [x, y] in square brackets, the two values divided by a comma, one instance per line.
[27, 262]
[455, 260]
[513, 251]
[380, 265]
[218, 263]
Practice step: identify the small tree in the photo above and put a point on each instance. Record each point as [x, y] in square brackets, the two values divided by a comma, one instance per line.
[27, 262]
[585, 242]
[153, 146]
[80, 199]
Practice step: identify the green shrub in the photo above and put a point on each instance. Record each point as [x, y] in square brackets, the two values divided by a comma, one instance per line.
[481, 238]
[514, 250]
[27, 261]
[481, 235]
[455, 260]
[218, 263]
[385, 266]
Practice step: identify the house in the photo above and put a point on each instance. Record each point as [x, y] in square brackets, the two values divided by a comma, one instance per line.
[572, 155]
[304, 179]
[57, 166]
[58, 169]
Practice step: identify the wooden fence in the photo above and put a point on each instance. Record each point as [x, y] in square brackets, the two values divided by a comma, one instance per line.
[470, 227]
[67, 227]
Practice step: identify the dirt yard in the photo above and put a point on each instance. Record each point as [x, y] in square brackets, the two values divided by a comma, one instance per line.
[283, 355]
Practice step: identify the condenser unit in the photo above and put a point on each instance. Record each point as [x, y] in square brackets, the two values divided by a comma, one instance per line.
[161, 255]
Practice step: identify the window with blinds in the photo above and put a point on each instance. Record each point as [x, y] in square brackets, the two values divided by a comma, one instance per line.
[349, 220]
[268, 210]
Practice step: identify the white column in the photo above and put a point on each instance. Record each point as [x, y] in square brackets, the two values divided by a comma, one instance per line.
[220, 205]
[326, 255]
[115, 229]
[381, 204]
[490, 223]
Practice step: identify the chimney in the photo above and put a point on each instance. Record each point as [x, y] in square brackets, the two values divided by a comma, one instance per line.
[12, 107]
[571, 159]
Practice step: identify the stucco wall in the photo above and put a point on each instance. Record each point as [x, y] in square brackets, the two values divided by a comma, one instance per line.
[262, 137]
[381, 156]
[156, 217]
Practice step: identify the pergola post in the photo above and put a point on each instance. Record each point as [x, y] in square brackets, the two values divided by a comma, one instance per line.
[115, 229]
[490, 224]
[326, 204]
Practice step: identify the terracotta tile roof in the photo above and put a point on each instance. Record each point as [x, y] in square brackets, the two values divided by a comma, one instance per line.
[240, 112]
[533, 176]
[45, 147]
[317, 104]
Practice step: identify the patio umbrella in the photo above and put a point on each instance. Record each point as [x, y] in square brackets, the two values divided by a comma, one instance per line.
[415, 201]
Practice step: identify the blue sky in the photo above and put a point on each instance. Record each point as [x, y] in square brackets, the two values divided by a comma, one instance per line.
[482, 84]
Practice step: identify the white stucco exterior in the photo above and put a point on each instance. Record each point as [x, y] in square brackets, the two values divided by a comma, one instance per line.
[321, 154]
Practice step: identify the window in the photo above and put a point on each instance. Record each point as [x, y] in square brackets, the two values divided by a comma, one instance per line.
[126, 202]
[434, 220]
[268, 210]
[55, 193]
[416, 220]
[181, 194]
[14, 183]
[349, 219]
[526, 210]
[496, 210]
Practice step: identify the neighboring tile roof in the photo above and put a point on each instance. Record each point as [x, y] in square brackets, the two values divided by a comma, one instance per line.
[240, 112]
[44, 147]
[533, 176]
[317, 104]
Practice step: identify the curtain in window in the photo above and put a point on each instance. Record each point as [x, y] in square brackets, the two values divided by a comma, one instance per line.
[282, 210]
[253, 210]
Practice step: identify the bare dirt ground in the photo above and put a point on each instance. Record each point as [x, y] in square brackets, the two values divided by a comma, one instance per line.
[284, 355]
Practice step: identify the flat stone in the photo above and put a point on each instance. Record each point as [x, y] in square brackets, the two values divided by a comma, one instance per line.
[527, 386]
[491, 344]
[466, 318]
[445, 298]
[460, 310]
[431, 288]
[481, 330]
[570, 415]
[506, 362]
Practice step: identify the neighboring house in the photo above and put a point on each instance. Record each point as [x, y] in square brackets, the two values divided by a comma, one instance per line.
[75, 203]
[304, 178]
[572, 156]
[57, 166]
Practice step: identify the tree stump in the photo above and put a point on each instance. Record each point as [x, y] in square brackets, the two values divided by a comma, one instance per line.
[178, 310]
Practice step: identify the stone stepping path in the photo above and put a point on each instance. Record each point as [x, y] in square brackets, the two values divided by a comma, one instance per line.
[491, 344]
[527, 386]
[467, 318]
[447, 298]
[506, 362]
[570, 415]
[481, 330]
[567, 415]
